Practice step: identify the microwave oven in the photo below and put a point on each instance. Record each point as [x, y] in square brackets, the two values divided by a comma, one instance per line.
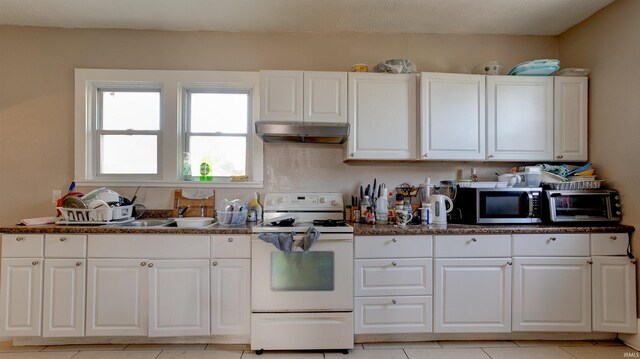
[497, 205]
[577, 206]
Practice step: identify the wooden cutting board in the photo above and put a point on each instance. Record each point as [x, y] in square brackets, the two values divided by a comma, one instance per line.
[194, 205]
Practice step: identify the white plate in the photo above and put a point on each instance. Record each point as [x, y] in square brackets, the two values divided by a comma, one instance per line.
[572, 72]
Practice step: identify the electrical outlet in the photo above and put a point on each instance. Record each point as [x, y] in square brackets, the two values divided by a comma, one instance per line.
[55, 195]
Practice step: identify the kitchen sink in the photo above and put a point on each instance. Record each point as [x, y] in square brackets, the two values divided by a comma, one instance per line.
[148, 223]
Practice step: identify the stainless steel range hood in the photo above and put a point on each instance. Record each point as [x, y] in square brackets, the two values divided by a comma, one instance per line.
[314, 132]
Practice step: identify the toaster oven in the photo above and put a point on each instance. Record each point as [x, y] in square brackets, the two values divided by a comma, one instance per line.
[576, 206]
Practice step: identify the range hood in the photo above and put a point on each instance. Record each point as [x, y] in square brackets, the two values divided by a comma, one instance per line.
[309, 132]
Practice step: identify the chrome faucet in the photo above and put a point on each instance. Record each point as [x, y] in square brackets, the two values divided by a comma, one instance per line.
[202, 210]
[181, 210]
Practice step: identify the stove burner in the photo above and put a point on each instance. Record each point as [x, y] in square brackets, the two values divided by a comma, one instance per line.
[329, 223]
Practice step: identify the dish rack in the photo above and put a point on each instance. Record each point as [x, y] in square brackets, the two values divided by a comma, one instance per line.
[571, 185]
[78, 216]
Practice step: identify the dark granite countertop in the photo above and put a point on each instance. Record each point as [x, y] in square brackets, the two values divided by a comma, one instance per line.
[369, 229]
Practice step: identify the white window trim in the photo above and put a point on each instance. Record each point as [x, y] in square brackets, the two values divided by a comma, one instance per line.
[172, 84]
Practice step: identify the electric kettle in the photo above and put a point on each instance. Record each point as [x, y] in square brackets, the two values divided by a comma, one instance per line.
[439, 208]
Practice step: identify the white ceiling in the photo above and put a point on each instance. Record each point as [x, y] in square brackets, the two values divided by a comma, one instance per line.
[516, 17]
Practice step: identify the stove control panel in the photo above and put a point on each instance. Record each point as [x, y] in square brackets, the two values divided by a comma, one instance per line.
[303, 201]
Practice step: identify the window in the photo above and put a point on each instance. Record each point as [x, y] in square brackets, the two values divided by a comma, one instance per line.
[134, 126]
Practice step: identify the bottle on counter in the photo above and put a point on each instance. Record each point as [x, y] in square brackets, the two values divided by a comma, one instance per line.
[256, 208]
[186, 167]
[382, 209]
[364, 208]
[206, 174]
[425, 215]
[474, 175]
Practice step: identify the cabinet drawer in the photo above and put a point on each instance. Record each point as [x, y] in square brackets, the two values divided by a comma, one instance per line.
[574, 244]
[473, 246]
[393, 246]
[375, 277]
[230, 246]
[609, 244]
[65, 245]
[148, 246]
[393, 314]
[22, 245]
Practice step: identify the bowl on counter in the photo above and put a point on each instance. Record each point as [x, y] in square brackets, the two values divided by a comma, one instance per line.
[193, 222]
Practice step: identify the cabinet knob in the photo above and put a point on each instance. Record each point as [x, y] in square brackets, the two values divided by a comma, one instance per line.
[491, 156]
[62, 239]
[351, 155]
[589, 262]
[35, 263]
[393, 301]
[150, 265]
[510, 263]
[142, 264]
[214, 263]
[230, 239]
[425, 155]
[633, 261]
[559, 157]
[613, 237]
[78, 264]
[394, 263]
[394, 240]
[474, 239]
[551, 239]
[19, 239]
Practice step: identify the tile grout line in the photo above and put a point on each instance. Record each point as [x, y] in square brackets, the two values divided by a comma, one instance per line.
[573, 356]
[489, 355]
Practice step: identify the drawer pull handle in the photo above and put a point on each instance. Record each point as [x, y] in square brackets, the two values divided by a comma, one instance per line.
[474, 239]
[19, 239]
[394, 263]
[35, 263]
[143, 264]
[510, 263]
[78, 264]
[633, 261]
[589, 262]
[230, 239]
[393, 301]
[551, 239]
[150, 265]
[394, 240]
[214, 264]
[62, 239]
[613, 237]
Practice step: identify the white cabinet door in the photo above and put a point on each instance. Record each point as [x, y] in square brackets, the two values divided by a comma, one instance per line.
[281, 96]
[178, 297]
[401, 314]
[570, 118]
[519, 118]
[614, 295]
[472, 295]
[21, 297]
[552, 294]
[452, 121]
[325, 96]
[64, 293]
[231, 297]
[117, 300]
[382, 277]
[382, 115]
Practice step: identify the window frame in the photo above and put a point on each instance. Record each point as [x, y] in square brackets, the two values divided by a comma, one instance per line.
[172, 85]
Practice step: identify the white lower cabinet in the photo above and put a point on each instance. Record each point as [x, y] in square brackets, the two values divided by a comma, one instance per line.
[21, 296]
[552, 294]
[614, 294]
[64, 292]
[394, 314]
[178, 297]
[231, 297]
[472, 295]
[117, 297]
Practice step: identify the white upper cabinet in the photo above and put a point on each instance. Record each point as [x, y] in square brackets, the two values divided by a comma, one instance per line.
[452, 121]
[303, 96]
[382, 115]
[570, 118]
[519, 118]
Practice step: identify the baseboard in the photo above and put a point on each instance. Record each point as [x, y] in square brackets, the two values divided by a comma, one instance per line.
[632, 340]
[376, 338]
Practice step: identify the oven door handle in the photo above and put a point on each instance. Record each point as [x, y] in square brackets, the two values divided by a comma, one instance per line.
[530, 196]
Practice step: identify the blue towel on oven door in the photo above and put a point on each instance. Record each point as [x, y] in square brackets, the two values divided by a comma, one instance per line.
[282, 241]
[308, 239]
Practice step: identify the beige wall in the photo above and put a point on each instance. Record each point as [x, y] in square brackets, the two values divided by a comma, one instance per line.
[608, 44]
[36, 98]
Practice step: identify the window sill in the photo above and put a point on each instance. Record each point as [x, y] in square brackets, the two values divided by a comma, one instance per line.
[166, 184]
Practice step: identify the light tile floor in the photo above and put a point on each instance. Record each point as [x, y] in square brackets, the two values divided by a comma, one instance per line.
[454, 349]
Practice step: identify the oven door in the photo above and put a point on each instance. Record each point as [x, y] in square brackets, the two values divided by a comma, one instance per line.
[318, 280]
[511, 206]
[567, 206]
